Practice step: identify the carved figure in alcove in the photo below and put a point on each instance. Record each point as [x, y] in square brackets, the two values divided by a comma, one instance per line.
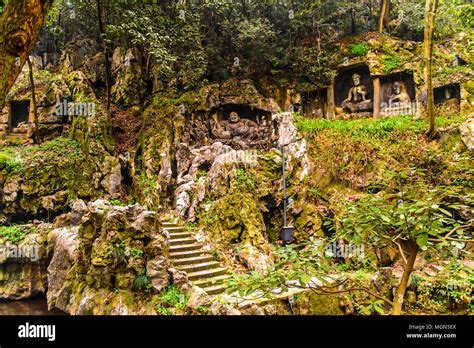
[235, 127]
[399, 94]
[357, 99]
[451, 102]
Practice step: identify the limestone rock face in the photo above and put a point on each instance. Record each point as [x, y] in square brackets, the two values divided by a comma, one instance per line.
[157, 271]
[103, 256]
[64, 242]
[23, 266]
[129, 87]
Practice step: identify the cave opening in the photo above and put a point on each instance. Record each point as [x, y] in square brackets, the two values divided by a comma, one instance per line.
[19, 112]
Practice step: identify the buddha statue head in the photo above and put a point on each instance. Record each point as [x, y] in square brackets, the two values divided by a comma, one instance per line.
[356, 79]
[397, 88]
[234, 117]
[448, 94]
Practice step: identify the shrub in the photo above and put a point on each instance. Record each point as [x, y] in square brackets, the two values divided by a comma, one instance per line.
[141, 281]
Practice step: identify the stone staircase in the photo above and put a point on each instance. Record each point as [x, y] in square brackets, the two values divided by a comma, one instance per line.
[187, 255]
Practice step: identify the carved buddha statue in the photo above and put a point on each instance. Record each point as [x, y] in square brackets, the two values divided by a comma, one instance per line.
[399, 95]
[235, 127]
[451, 103]
[357, 100]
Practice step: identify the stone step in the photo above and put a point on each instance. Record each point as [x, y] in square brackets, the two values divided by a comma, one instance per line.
[206, 273]
[187, 254]
[215, 290]
[187, 247]
[199, 266]
[180, 235]
[202, 283]
[174, 229]
[182, 241]
[192, 260]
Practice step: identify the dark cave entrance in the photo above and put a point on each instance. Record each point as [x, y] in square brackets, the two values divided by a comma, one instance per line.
[19, 112]
[445, 93]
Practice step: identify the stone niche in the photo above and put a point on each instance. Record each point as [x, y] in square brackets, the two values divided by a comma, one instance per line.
[397, 94]
[237, 125]
[353, 92]
[19, 115]
[315, 103]
[448, 98]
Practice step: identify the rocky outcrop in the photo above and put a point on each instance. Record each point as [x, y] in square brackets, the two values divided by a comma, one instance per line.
[23, 264]
[103, 255]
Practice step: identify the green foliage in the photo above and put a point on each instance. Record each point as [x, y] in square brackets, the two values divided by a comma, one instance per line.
[162, 310]
[136, 253]
[376, 306]
[119, 254]
[301, 262]
[11, 162]
[316, 192]
[246, 179]
[3, 4]
[141, 282]
[448, 290]
[118, 202]
[359, 49]
[171, 299]
[15, 233]
[415, 212]
[374, 128]
[201, 173]
[389, 63]
[203, 309]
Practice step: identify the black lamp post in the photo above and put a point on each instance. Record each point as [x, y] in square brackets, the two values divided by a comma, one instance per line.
[286, 234]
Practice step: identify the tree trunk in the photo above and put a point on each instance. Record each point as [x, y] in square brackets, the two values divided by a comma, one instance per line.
[430, 17]
[33, 98]
[412, 249]
[384, 11]
[108, 68]
[20, 24]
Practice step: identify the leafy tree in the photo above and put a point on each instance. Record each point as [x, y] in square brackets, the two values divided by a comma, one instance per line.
[414, 218]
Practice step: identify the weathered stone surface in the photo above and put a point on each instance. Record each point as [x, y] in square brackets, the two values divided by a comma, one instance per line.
[198, 297]
[157, 271]
[95, 262]
[23, 266]
[467, 133]
[64, 243]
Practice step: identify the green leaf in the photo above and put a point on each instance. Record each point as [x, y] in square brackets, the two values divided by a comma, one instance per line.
[422, 240]
[305, 279]
[445, 212]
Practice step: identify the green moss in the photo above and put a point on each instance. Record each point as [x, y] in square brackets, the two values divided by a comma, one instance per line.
[11, 162]
[359, 49]
[15, 233]
[236, 218]
[390, 63]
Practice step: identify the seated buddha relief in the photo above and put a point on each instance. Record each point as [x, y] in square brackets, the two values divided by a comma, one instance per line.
[357, 99]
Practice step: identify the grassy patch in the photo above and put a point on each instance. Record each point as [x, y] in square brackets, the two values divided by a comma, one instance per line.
[370, 127]
[15, 233]
[171, 298]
